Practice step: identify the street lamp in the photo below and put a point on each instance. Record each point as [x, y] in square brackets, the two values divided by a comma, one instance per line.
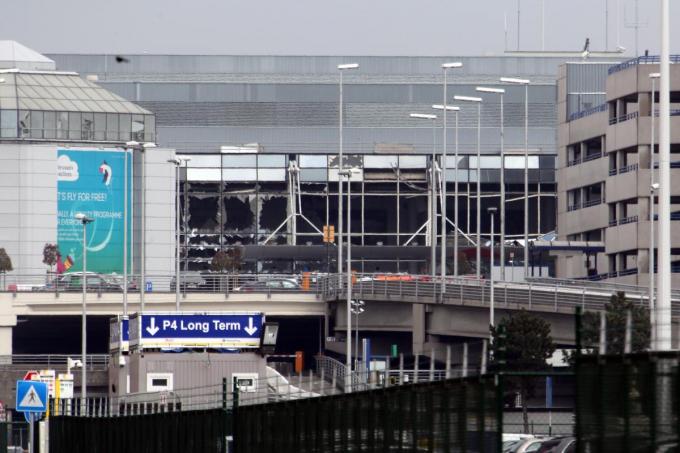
[492, 212]
[456, 109]
[445, 68]
[342, 68]
[501, 92]
[433, 194]
[141, 147]
[525, 82]
[358, 307]
[82, 218]
[348, 174]
[652, 192]
[478, 101]
[178, 161]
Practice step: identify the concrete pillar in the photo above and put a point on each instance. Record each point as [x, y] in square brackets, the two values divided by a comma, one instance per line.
[418, 328]
[7, 323]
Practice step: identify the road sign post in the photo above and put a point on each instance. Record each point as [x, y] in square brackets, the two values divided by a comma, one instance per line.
[31, 400]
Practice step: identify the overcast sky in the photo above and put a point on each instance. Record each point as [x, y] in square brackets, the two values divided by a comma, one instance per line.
[325, 27]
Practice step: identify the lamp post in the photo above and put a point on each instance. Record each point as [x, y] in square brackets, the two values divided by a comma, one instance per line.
[342, 68]
[178, 161]
[433, 195]
[652, 315]
[478, 101]
[501, 92]
[663, 301]
[492, 212]
[442, 270]
[653, 187]
[358, 307]
[141, 147]
[126, 214]
[445, 108]
[82, 218]
[526, 83]
[341, 174]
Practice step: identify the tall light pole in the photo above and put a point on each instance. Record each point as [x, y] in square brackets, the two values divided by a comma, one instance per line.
[142, 147]
[433, 194]
[341, 174]
[357, 309]
[501, 92]
[663, 301]
[126, 221]
[478, 101]
[653, 187]
[342, 68]
[492, 212]
[82, 218]
[178, 161]
[526, 83]
[445, 68]
[442, 265]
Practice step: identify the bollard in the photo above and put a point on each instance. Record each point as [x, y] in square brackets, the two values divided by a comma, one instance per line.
[448, 361]
[416, 366]
[465, 360]
[401, 368]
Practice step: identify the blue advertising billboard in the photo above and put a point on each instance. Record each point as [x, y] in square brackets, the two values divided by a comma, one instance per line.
[221, 330]
[92, 182]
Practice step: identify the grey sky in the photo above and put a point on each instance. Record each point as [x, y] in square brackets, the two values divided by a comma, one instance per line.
[322, 27]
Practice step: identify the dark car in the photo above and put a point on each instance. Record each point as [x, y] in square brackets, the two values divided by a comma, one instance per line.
[73, 282]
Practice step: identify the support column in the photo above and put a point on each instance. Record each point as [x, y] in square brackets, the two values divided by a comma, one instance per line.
[418, 328]
[7, 323]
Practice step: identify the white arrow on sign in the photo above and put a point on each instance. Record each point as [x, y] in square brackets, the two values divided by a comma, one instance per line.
[250, 330]
[152, 329]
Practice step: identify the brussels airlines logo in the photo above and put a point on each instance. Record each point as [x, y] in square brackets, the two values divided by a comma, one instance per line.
[105, 170]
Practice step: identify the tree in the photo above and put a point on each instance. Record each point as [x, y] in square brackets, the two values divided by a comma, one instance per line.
[50, 252]
[5, 264]
[522, 342]
[616, 312]
[5, 261]
[228, 260]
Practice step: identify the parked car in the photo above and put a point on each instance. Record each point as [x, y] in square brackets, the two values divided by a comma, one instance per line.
[527, 445]
[272, 284]
[189, 281]
[73, 282]
[565, 445]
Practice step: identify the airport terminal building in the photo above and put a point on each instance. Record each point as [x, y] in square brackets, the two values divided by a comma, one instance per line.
[263, 136]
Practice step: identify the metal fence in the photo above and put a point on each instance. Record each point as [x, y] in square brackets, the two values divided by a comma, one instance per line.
[538, 294]
[628, 403]
[451, 415]
[205, 431]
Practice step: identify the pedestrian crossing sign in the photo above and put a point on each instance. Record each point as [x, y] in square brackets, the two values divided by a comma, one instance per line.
[31, 396]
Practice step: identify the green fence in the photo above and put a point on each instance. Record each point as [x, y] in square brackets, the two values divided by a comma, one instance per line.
[173, 432]
[454, 415]
[628, 403]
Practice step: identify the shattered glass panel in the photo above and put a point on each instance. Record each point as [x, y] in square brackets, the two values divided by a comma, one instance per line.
[381, 161]
[349, 160]
[273, 211]
[204, 213]
[239, 213]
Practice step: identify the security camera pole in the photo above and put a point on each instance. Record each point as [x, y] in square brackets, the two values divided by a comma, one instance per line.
[83, 385]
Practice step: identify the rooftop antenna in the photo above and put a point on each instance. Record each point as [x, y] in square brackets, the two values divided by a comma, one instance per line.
[505, 30]
[636, 25]
[519, 7]
[606, 25]
[543, 25]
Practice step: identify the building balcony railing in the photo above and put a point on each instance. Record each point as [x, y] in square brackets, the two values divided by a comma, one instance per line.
[623, 221]
[594, 202]
[623, 118]
[647, 59]
[585, 159]
[588, 112]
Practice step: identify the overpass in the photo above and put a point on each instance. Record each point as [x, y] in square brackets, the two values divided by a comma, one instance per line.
[429, 309]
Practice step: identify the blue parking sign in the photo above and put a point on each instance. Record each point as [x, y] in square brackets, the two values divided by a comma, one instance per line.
[31, 396]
